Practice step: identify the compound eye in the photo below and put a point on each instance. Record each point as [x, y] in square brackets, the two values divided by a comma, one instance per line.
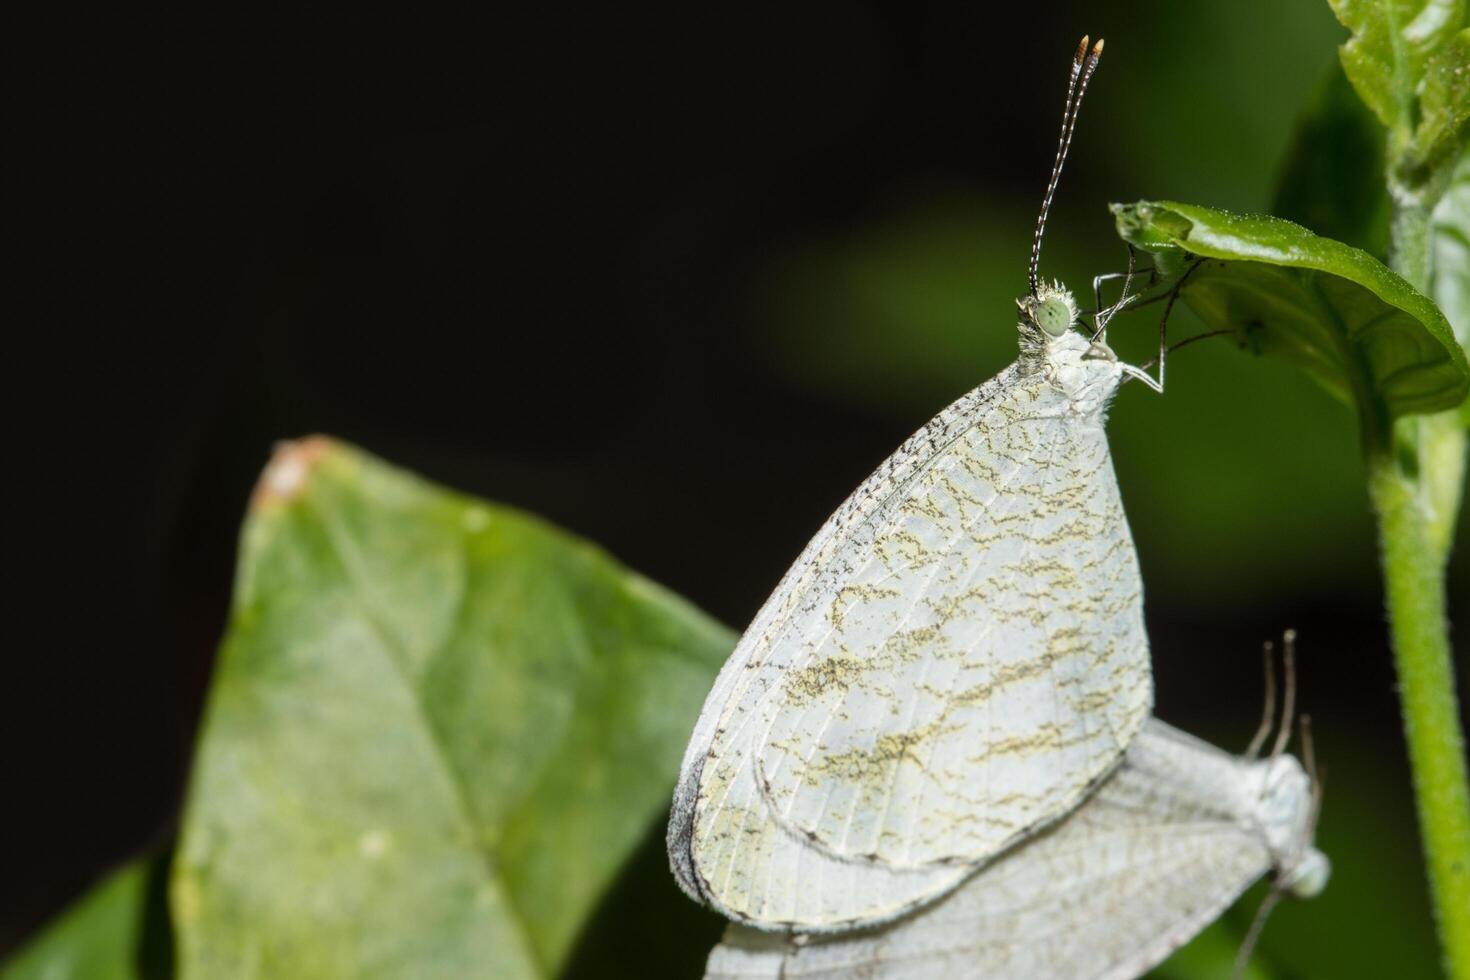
[1054, 317]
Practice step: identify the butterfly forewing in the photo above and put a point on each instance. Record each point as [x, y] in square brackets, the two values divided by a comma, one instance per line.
[960, 653]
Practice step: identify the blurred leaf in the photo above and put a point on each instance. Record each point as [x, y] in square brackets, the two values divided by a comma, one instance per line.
[1387, 57]
[1332, 181]
[117, 931]
[1355, 325]
[437, 729]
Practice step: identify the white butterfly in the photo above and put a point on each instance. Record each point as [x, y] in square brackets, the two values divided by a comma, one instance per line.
[1164, 846]
[953, 663]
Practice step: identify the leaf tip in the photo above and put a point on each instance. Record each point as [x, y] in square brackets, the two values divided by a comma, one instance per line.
[287, 474]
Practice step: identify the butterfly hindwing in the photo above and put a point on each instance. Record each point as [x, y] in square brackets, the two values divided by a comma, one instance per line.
[1160, 850]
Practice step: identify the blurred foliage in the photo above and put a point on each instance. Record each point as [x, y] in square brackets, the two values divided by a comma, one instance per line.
[436, 731]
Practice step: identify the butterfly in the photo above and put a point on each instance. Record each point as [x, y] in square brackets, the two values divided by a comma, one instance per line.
[953, 663]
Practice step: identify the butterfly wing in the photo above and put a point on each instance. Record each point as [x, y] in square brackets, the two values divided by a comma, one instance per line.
[762, 873]
[955, 659]
[748, 954]
[1159, 851]
[754, 668]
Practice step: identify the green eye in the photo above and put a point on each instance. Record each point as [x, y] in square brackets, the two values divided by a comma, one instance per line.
[1053, 316]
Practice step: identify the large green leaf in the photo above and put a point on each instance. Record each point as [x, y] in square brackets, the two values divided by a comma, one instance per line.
[117, 931]
[1395, 44]
[437, 729]
[1358, 327]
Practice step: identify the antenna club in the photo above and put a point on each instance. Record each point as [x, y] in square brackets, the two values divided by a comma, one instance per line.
[1097, 48]
[1081, 50]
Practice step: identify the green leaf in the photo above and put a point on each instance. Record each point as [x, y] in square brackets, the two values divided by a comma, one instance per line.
[1354, 324]
[1444, 105]
[1332, 180]
[1391, 43]
[437, 729]
[117, 931]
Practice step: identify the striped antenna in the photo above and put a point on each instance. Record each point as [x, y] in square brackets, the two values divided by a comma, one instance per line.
[1083, 65]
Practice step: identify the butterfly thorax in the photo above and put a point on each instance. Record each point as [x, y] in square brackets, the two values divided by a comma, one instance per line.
[1053, 345]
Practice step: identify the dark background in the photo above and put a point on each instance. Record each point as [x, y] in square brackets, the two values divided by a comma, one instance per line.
[676, 280]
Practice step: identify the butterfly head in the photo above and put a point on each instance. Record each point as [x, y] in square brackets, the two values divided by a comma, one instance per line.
[1287, 812]
[1047, 318]
[1309, 875]
[1054, 343]
[1050, 312]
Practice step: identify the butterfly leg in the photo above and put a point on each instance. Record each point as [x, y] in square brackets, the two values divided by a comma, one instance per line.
[1102, 315]
[1141, 373]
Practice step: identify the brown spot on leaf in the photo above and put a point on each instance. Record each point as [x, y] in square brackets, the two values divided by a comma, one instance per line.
[287, 474]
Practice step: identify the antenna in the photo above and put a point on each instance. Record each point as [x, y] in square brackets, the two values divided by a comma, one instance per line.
[1268, 710]
[1288, 701]
[1083, 65]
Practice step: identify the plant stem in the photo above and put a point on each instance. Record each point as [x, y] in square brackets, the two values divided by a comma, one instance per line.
[1414, 483]
[1410, 239]
[1414, 574]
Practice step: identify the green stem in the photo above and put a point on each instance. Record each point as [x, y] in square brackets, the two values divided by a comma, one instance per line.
[1411, 228]
[1415, 585]
[1415, 484]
